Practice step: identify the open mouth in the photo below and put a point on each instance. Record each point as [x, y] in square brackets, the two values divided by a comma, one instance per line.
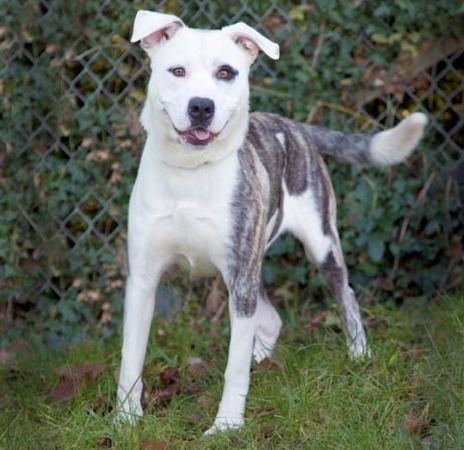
[197, 136]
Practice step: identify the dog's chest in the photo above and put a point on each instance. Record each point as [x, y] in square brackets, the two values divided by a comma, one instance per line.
[190, 215]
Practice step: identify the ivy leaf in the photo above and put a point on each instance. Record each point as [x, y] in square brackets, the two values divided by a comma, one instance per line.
[376, 249]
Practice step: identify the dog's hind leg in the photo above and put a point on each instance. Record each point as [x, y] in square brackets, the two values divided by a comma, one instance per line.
[334, 270]
[268, 325]
[313, 222]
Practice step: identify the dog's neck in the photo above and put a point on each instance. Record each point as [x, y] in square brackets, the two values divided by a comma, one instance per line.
[166, 143]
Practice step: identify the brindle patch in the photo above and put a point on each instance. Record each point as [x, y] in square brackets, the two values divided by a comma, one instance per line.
[249, 213]
[277, 151]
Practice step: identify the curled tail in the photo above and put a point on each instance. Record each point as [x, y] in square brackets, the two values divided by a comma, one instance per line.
[382, 149]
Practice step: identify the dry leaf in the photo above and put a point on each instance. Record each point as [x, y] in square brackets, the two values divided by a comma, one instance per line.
[196, 366]
[105, 443]
[88, 371]
[269, 364]
[163, 396]
[171, 381]
[99, 155]
[374, 322]
[90, 295]
[264, 409]
[170, 375]
[64, 390]
[414, 424]
[72, 377]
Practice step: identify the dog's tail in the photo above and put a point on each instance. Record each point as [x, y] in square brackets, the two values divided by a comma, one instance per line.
[382, 149]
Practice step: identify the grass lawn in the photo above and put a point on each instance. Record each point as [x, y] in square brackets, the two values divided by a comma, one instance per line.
[410, 395]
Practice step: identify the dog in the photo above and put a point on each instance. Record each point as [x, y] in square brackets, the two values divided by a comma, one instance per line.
[217, 185]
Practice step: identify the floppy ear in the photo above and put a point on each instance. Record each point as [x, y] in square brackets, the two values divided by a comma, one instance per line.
[252, 41]
[151, 28]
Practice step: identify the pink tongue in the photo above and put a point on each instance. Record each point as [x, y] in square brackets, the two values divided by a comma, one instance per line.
[200, 134]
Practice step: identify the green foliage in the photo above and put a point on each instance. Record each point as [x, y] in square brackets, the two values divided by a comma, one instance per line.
[71, 87]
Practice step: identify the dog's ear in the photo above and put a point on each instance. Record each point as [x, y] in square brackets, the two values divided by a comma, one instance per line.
[252, 41]
[151, 28]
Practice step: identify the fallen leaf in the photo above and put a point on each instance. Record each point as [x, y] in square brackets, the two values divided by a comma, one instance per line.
[263, 409]
[163, 396]
[317, 321]
[64, 390]
[99, 155]
[87, 142]
[374, 322]
[90, 295]
[105, 443]
[414, 424]
[269, 364]
[170, 375]
[192, 388]
[72, 377]
[411, 422]
[196, 366]
[101, 404]
[106, 315]
[153, 445]
[88, 371]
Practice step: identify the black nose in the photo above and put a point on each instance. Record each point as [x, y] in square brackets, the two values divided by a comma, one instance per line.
[201, 111]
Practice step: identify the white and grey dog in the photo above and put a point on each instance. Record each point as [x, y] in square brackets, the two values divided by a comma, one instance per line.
[217, 185]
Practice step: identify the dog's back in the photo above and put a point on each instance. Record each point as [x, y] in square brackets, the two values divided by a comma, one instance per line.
[290, 153]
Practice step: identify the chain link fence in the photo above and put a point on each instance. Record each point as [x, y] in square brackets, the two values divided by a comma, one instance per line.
[85, 132]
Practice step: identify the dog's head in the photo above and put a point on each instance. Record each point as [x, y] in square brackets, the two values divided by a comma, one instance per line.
[198, 91]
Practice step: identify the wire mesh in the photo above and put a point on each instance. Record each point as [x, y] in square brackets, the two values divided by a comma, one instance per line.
[104, 81]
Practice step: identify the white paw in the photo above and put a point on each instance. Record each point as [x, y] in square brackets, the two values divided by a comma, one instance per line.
[225, 424]
[128, 414]
[359, 352]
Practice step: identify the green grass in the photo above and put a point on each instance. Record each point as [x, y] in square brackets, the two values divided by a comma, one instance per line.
[410, 395]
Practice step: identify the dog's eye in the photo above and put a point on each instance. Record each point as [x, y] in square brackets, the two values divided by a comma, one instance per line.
[226, 73]
[177, 71]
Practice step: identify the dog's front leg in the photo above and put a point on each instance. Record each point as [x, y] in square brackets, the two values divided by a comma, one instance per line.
[237, 374]
[243, 280]
[138, 312]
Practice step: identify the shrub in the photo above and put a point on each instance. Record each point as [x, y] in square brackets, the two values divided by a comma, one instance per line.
[71, 90]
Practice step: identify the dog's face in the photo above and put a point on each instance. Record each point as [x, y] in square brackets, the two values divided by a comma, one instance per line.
[198, 90]
[199, 85]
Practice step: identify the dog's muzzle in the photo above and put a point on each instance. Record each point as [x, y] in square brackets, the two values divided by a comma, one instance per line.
[201, 113]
